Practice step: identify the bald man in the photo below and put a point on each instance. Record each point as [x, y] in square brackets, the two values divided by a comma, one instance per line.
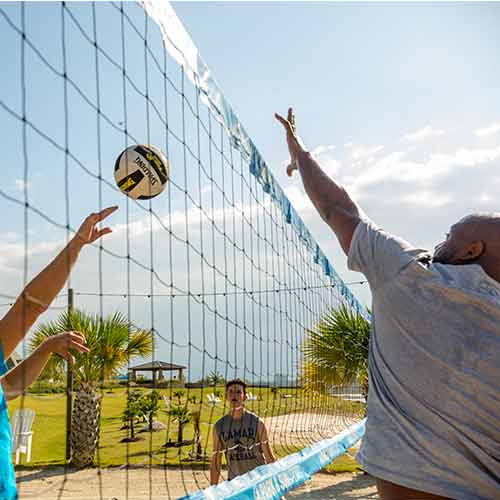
[433, 427]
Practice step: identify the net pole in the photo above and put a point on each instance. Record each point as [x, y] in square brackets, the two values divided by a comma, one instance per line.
[69, 387]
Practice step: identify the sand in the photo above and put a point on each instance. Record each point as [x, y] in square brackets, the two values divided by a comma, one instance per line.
[158, 483]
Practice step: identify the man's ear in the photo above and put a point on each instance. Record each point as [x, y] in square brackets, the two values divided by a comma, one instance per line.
[472, 252]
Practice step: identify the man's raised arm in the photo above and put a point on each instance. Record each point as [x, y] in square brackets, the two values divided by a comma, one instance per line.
[331, 200]
[41, 291]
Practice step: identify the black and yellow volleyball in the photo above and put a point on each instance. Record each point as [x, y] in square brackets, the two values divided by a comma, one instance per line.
[141, 171]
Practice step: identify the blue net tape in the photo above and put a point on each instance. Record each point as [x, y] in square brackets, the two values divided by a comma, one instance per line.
[271, 482]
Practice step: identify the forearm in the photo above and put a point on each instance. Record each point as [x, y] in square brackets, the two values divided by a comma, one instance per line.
[36, 297]
[269, 455]
[25, 373]
[323, 191]
[331, 200]
[215, 470]
[45, 286]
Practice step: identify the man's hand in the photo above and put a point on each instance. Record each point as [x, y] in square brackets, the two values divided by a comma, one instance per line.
[89, 232]
[295, 145]
[62, 344]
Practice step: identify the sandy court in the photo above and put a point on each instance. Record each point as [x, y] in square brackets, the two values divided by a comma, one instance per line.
[303, 429]
[158, 483]
[142, 483]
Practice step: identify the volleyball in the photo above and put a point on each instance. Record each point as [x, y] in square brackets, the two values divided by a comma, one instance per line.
[141, 171]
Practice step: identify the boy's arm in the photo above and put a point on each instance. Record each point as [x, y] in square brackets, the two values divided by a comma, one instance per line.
[215, 463]
[265, 445]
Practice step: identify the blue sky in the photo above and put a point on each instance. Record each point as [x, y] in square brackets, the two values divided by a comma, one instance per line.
[399, 102]
[394, 86]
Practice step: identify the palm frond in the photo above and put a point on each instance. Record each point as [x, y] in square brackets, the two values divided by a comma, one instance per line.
[336, 350]
[111, 340]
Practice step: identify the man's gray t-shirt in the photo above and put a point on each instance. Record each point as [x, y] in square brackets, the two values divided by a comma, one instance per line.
[434, 370]
[240, 442]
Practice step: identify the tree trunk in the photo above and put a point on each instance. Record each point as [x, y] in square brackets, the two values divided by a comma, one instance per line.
[180, 436]
[199, 449]
[132, 428]
[85, 426]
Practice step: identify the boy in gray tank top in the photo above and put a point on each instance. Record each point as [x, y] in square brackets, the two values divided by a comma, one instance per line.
[240, 435]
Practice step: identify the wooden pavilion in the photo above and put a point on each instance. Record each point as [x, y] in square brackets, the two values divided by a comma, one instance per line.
[157, 368]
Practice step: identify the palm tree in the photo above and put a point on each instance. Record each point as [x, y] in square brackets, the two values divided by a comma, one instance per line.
[112, 342]
[151, 406]
[215, 378]
[196, 417]
[178, 395]
[133, 410]
[181, 415]
[336, 351]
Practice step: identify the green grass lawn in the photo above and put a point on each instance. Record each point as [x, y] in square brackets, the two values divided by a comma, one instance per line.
[50, 427]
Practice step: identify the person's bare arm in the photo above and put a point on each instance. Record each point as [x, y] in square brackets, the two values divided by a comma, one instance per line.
[25, 373]
[41, 291]
[331, 200]
[265, 445]
[215, 463]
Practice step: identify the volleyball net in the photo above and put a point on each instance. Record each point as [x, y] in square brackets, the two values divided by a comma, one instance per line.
[219, 269]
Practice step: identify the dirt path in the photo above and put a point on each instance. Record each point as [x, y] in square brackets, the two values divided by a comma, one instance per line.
[158, 483]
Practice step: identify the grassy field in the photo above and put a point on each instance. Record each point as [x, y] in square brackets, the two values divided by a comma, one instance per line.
[49, 427]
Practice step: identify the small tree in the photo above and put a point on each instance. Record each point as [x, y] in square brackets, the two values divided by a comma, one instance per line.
[133, 410]
[215, 378]
[150, 405]
[181, 415]
[178, 395]
[196, 417]
[274, 392]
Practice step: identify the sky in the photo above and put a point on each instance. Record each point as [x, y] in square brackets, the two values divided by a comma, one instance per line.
[398, 102]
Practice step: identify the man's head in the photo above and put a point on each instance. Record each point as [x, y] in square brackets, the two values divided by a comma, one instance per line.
[236, 392]
[475, 239]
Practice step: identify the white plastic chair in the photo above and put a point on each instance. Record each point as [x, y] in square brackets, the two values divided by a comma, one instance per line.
[22, 435]
[251, 397]
[167, 403]
[213, 399]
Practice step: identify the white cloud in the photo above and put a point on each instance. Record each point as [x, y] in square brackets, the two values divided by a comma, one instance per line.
[485, 198]
[396, 167]
[492, 129]
[12, 250]
[324, 155]
[21, 185]
[323, 149]
[427, 199]
[363, 152]
[423, 133]
[194, 216]
[299, 199]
